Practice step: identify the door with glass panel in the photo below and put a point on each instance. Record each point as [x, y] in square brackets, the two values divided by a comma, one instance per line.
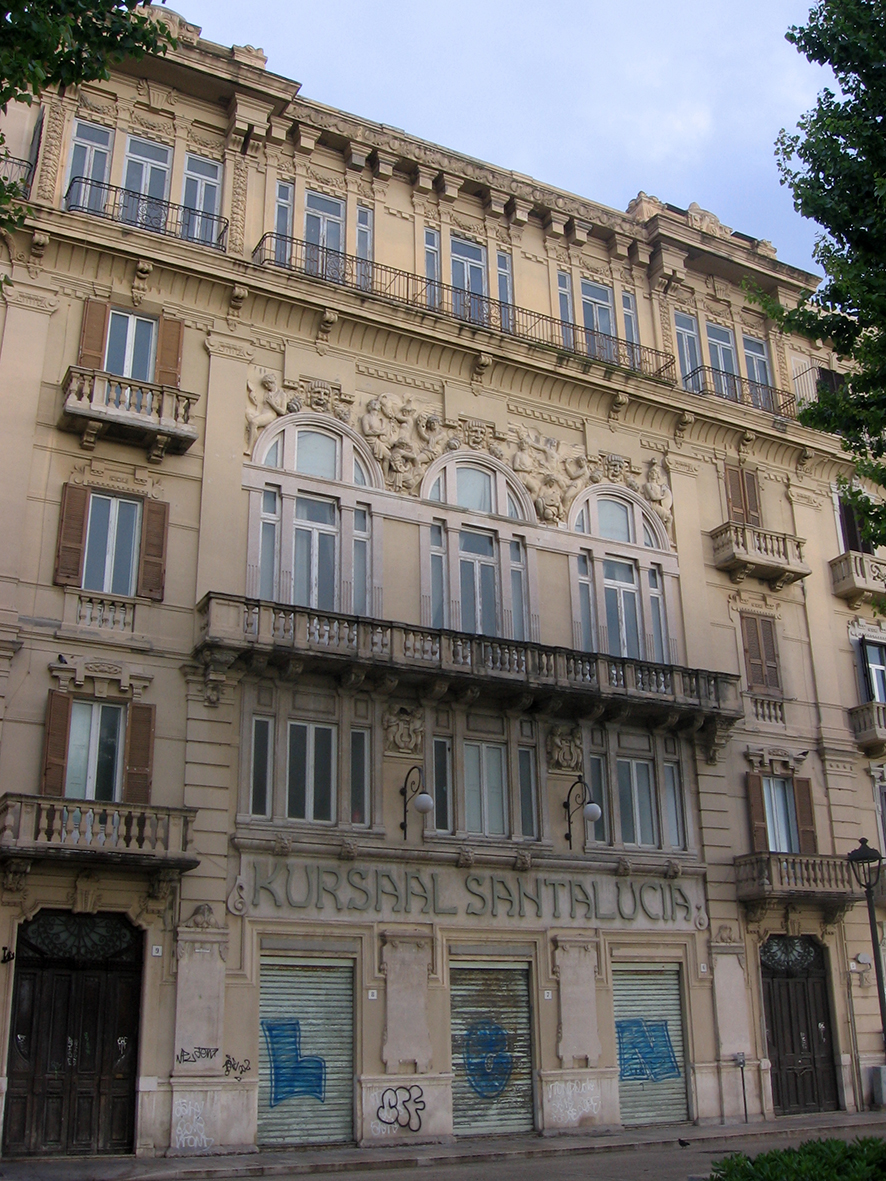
[477, 576]
[688, 351]
[484, 764]
[622, 608]
[757, 363]
[324, 237]
[469, 300]
[725, 370]
[146, 181]
[636, 802]
[596, 304]
[90, 157]
[201, 198]
[316, 540]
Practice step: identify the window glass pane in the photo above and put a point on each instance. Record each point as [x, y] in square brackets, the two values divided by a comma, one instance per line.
[125, 548]
[581, 522]
[296, 796]
[78, 750]
[473, 809]
[613, 624]
[584, 602]
[648, 537]
[272, 459]
[632, 629]
[97, 543]
[441, 785]
[360, 576]
[781, 820]
[527, 795]
[468, 598]
[359, 775]
[476, 543]
[148, 151]
[437, 536]
[876, 661]
[467, 250]
[645, 804]
[673, 807]
[106, 755]
[487, 600]
[583, 565]
[495, 793]
[322, 773]
[658, 645]
[302, 573]
[95, 135]
[269, 502]
[359, 474]
[474, 489]
[613, 520]
[626, 804]
[267, 560]
[327, 205]
[316, 454]
[326, 573]
[618, 571]
[518, 607]
[361, 520]
[437, 612]
[261, 742]
[436, 492]
[141, 368]
[322, 512]
[595, 783]
[516, 551]
[513, 509]
[118, 331]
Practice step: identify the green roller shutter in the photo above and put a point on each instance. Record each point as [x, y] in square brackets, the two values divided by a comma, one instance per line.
[649, 1041]
[306, 1053]
[491, 1050]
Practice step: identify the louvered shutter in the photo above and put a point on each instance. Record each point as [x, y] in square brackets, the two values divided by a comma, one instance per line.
[752, 498]
[772, 680]
[55, 751]
[169, 352]
[71, 544]
[805, 817]
[735, 495]
[139, 761]
[753, 653]
[757, 813]
[152, 558]
[93, 334]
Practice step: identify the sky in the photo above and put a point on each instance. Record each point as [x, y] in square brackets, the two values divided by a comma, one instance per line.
[681, 100]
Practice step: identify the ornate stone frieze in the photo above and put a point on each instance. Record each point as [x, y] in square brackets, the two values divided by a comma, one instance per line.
[97, 473]
[404, 730]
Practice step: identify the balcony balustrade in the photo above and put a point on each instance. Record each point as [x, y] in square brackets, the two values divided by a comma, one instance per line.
[97, 403]
[324, 641]
[762, 878]
[868, 725]
[857, 578]
[776, 558]
[477, 310]
[146, 213]
[17, 172]
[733, 388]
[137, 836]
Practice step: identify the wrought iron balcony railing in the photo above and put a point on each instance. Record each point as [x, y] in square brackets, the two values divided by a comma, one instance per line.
[774, 877]
[146, 213]
[428, 295]
[17, 172]
[733, 388]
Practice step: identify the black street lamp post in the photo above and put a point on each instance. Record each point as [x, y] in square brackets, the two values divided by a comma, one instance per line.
[866, 865]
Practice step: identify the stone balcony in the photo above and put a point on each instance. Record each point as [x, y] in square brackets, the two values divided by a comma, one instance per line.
[771, 879]
[868, 725]
[776, 558]
[156, 417]
[857, 578]
[436, 661]
[129, 836]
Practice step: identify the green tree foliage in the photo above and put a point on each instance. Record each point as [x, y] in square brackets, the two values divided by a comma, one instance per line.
[60, 43]
[835, 164]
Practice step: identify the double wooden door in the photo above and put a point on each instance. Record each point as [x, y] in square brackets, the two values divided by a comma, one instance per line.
[73, 1050]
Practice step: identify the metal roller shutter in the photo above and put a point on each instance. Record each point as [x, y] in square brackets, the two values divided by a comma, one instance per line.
[491, 1050]
[306, 1053]
[649, 1038]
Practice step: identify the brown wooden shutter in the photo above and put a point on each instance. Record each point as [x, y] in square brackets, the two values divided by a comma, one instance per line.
[139, 765]
[152, 558]
[752, 498]
[805, 817]
[71, 544]
[772, 680]
[757, 812]
[93, 334]
[735, 495]
[753, 653]
[169, 352]
[55, 749]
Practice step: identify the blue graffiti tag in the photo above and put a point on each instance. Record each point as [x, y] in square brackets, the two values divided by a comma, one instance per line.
[645, 1051]
[291, 1074]
[487, 1061]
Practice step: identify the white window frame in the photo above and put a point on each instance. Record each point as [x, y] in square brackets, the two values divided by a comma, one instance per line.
[312, 729]
[476, 563]
[326, 219]
[112, 542]
[95, 201]
[133, 320]
[97, 711]
[433, 267]
[621, 590]
[874, 658]
[439, 575]
[566, 308]
[780, 806]
[505, 275]
[269, 544]
[315, 530]
[484, 788]
[442, 774]
[199, 221]
[468, 264]
[688, 350]
[636, 788]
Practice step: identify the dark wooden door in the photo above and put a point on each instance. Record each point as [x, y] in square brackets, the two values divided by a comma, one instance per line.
[798, 1025]
[73, 1049]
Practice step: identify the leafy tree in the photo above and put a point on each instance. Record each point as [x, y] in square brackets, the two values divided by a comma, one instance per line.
[835, 164]
[60, 43]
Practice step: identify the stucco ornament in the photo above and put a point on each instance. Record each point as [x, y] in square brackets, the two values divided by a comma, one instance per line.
[564, 748]
[404, 730]
[404, 439]
[267, 404]
[657, 492]
[552, 479]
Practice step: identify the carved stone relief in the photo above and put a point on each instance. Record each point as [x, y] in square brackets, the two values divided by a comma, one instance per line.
[658, 494]
[564, 748]
[404, 730]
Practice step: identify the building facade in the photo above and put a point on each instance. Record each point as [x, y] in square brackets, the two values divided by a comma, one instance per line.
[439, 681]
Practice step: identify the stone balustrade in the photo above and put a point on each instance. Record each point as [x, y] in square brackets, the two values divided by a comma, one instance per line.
[742, 550]
[857, 578]
[775, 877]
[868, 725]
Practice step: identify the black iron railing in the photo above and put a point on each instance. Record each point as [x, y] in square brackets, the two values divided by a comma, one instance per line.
[403, 287]
[733, 388]
[146, 213]
[17, 172]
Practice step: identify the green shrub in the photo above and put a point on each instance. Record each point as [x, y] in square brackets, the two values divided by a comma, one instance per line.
[815, 1160]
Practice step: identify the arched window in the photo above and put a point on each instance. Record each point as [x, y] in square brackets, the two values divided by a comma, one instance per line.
[479, 487]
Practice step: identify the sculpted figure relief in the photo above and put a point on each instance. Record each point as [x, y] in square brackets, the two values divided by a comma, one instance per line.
[657, 492]
[404, 730]
[564, 748]
[403, 439]
[267, 404]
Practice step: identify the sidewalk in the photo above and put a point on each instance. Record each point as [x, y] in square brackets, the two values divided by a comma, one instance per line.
[750, 1138]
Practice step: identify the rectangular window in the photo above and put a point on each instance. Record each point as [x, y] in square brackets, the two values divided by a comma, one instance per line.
[131, 346]
[673, 807]
[270, 524]
[359, 776]
[743, 496]
[875, 669]
[201, 200]
[95, 747]
[622, 609]
[438, 576]
[689, 351]
[262, 730]
[760, 652]
[629, 313]
[316, 537]
[90, 158]
[585, 603]
[757, 363]
[596, 782]
[636, 803]
[112, 545]
[324, 237]
[442, 785]
[364, 247]
[853, 538]
[506, 291]
[518, 590]
[146, 180]
[469, 300]
[361, 561]
[478, 591]
[781, 814]
[526, 765]
[567, 317]
[721, 348]
[484, 788]
[656, 642]
[596, 305]
[283, 223]
[311, 772]
[432, 268]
